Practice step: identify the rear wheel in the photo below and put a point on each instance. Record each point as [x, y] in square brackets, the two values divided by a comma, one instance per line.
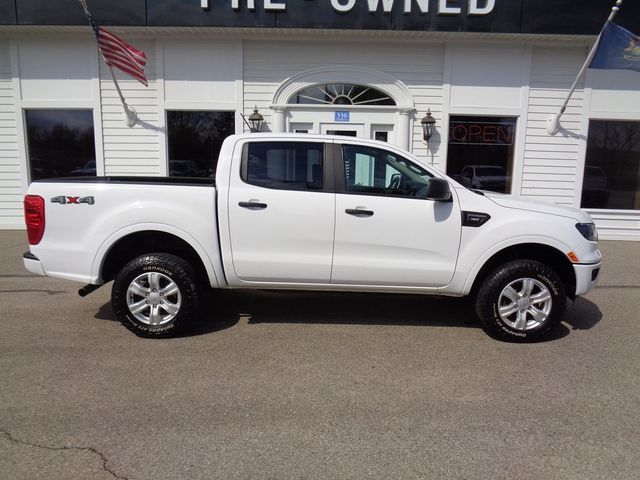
[155, 295]
[521, 301]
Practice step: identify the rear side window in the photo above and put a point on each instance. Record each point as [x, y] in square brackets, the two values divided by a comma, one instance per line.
[284, 165]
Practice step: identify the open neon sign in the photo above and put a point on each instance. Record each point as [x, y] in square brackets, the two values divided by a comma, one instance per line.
[482, 133]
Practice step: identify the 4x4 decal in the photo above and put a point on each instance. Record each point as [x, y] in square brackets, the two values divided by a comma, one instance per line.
[64, 200]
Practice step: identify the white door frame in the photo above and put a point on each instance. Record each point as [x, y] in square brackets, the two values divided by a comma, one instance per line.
[397, 117]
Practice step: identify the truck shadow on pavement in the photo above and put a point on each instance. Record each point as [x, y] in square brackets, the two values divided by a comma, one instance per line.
[225, 308]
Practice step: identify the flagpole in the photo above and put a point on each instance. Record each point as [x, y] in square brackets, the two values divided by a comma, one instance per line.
[553, 122]
[130, 115]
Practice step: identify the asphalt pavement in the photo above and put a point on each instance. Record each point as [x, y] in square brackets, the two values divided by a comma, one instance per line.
[281, 385]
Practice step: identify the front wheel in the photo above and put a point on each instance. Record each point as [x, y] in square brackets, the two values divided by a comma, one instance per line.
[155, 295]
[521, 301]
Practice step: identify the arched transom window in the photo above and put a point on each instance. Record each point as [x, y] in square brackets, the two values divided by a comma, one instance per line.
[341, 94]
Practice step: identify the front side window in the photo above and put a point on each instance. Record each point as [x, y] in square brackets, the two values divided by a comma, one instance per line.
[481, 151]
[61, 143]
[372, 171]
[195, 138]
[612, 166]
[284, 165]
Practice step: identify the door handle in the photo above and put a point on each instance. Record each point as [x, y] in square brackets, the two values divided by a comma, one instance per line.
[253, 205]
[359, 212]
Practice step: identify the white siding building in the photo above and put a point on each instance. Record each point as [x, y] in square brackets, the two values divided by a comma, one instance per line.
[490, 93]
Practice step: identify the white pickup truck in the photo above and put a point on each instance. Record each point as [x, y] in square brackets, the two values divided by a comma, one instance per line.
[313, 213]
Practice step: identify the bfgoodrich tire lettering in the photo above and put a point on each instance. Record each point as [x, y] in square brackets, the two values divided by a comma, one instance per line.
[521, 301]
[155, 295]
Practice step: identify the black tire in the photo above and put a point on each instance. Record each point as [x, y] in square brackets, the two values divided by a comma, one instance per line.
[170, 270]
[490, 297]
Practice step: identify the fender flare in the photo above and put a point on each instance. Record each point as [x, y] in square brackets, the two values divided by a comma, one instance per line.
[111, 240]
[511, 242]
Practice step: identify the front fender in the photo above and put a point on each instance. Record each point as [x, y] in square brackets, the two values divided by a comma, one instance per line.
[518, 240]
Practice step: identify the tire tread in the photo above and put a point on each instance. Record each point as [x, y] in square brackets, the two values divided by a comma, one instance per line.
[181, 272]
[488, 293]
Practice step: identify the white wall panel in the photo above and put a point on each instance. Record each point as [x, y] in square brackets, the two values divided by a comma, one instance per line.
[11, 175]
[487, 77]
[615, 92]
[617, 225]
[136, 150]
[202, 71]
[57, 69]
[551, 163]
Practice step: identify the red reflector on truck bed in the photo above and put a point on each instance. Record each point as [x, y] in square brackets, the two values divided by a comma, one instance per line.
[34, 218]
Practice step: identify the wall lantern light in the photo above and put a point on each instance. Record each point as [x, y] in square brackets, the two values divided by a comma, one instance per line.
[256, 120]
[428, 126]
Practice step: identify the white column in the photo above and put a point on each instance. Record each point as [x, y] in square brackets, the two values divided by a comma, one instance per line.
[279, 123]
[403, 134]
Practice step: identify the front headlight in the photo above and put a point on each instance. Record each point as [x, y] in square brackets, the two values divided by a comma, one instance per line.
[588, 231]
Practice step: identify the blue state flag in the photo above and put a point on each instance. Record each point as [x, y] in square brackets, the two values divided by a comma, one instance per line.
[618, 49]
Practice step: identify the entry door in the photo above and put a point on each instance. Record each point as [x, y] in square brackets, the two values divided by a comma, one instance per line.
[281, 214]
[386, 234]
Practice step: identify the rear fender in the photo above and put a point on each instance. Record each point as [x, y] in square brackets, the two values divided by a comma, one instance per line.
[216, 279]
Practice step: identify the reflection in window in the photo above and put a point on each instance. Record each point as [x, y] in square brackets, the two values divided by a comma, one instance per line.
[285, 165]
[195, 138]
[378, 172]
[342, 94]
[612, 166]
[481, 152]
[60, 143]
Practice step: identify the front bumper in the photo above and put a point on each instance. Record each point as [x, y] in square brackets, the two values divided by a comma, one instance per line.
[587, 277]
[32, 264]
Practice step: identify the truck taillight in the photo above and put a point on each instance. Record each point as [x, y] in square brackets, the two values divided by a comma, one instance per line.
[34, 218]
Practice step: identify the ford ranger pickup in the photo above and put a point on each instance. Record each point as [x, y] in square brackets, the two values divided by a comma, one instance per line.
[310, 212]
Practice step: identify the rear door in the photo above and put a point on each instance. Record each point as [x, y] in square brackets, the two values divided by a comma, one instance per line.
[387, 233]
[281, 213]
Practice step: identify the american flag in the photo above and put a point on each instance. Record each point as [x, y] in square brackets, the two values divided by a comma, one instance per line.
[118, 53]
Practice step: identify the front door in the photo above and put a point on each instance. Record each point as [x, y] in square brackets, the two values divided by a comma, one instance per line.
[281, 214]
[386, 232]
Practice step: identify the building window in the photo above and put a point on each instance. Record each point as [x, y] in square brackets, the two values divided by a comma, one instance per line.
[195, 138]
[342, 94]
[612, 166]
[481, 151]
[381, 136]
[301, 127]
[284, 165]
[60, 143]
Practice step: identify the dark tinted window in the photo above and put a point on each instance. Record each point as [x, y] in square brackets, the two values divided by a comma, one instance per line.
[195, 138]
[612, 166]
[374, 171]
[61, 143]
[481, 151]
[285, 165]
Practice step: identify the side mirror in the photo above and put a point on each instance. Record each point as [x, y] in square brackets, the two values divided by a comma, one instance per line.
[438, 190]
